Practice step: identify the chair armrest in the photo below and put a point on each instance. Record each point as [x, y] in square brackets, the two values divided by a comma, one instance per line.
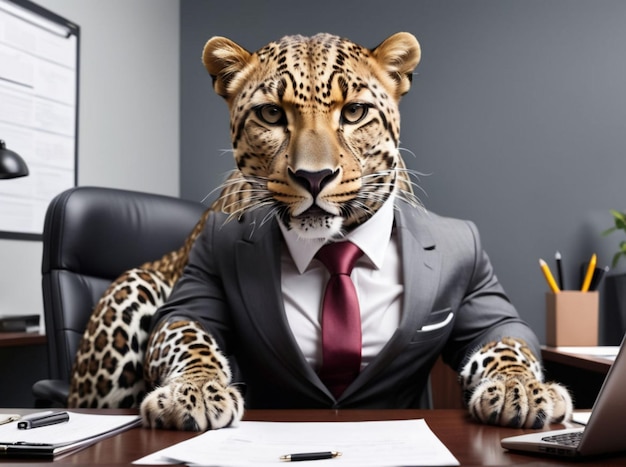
[51, 393]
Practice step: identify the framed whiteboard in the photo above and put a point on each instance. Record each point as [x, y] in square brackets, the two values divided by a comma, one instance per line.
[39, 54]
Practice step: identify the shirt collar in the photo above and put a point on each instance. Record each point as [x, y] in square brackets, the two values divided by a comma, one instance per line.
[371, 237]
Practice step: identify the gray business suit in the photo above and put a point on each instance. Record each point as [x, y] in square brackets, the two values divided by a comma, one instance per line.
[453, 304]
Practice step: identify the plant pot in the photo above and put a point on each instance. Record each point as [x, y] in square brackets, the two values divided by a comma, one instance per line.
[614, 309]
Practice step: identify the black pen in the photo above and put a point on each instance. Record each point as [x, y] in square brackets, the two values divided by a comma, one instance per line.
[310, 456]
[44, 419]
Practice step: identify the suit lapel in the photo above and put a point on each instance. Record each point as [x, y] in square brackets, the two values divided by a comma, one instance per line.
[258, 256]
[421, 267]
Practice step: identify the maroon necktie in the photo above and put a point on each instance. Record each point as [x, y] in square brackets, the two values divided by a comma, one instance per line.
[341, 318]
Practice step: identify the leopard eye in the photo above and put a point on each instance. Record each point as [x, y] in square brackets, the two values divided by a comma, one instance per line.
[354, 113]
[271, 114]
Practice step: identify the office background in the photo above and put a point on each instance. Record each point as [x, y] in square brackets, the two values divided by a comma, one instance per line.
[516, 118]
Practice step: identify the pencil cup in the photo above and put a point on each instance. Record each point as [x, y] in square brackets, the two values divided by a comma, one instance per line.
[572, 318]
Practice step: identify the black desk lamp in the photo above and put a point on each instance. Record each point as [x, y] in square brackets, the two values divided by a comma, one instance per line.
[11, 164]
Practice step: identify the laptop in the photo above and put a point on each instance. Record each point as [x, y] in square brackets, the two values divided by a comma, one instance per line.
[603, 434]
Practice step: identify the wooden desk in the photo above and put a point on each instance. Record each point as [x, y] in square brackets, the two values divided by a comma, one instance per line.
[471, 443]
[18, 339]
[582, 374]
[578, 361]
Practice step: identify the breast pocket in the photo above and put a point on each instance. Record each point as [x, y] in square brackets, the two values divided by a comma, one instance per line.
[438, 322]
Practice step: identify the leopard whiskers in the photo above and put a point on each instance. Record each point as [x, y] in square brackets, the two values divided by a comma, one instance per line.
[239, 207]
[411, 197]
[379, 191]
[227, 183]
[356, 209]
[244, 208]
[407, 150]
[274, 212]
[240, 194]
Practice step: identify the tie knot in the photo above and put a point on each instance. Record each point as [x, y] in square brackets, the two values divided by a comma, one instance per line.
[339, 258]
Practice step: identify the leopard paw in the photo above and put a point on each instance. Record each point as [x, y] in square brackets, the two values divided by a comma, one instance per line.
[192, 406]
[520, 402]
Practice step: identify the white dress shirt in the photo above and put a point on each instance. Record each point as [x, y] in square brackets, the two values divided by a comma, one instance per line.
[377, 277]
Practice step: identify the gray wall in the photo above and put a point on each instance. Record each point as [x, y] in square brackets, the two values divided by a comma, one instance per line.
[517, 115]
[129, 117]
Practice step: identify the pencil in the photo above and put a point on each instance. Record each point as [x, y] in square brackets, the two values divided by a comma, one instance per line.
[589, 275]
[549, 277]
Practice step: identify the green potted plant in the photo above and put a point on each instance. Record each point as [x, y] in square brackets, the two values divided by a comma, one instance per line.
[620, 224]
[615, 284]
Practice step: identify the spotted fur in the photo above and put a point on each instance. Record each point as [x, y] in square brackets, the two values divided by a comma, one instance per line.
[111, 350]
[503, 385]
[194, 392]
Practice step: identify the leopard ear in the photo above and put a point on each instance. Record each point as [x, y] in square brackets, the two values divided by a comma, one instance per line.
[224, 60]
[399, 55]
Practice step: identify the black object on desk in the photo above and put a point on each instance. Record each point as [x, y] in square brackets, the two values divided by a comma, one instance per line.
[44, 419]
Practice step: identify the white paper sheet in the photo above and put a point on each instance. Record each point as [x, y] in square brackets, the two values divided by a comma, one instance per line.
[363, 444]
[581, 417]
[609, 352]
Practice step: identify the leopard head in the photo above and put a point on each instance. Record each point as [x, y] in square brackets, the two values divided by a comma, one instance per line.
[315, 126]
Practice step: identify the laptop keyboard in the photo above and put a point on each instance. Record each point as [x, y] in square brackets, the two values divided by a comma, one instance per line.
[565, 439]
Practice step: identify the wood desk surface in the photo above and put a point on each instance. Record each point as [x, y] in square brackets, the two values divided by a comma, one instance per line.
[594, 363]
[471, 443]
[16, 339]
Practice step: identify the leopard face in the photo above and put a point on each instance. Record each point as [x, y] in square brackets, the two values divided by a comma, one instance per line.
[315, 126]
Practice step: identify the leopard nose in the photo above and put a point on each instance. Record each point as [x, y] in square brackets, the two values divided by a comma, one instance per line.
[313, 182]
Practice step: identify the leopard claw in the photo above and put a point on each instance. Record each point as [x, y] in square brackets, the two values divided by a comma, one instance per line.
[520, 402]
[190, 424]
[192, 406]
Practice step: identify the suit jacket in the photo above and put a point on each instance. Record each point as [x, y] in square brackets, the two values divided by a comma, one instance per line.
[453, 304]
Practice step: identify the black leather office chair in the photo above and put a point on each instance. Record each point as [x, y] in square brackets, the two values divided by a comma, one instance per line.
[92, 235]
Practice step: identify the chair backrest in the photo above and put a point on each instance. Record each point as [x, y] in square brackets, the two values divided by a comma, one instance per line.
[92, 235]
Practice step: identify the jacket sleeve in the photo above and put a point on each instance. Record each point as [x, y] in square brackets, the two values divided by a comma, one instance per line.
[199, 294]
[485, 312]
